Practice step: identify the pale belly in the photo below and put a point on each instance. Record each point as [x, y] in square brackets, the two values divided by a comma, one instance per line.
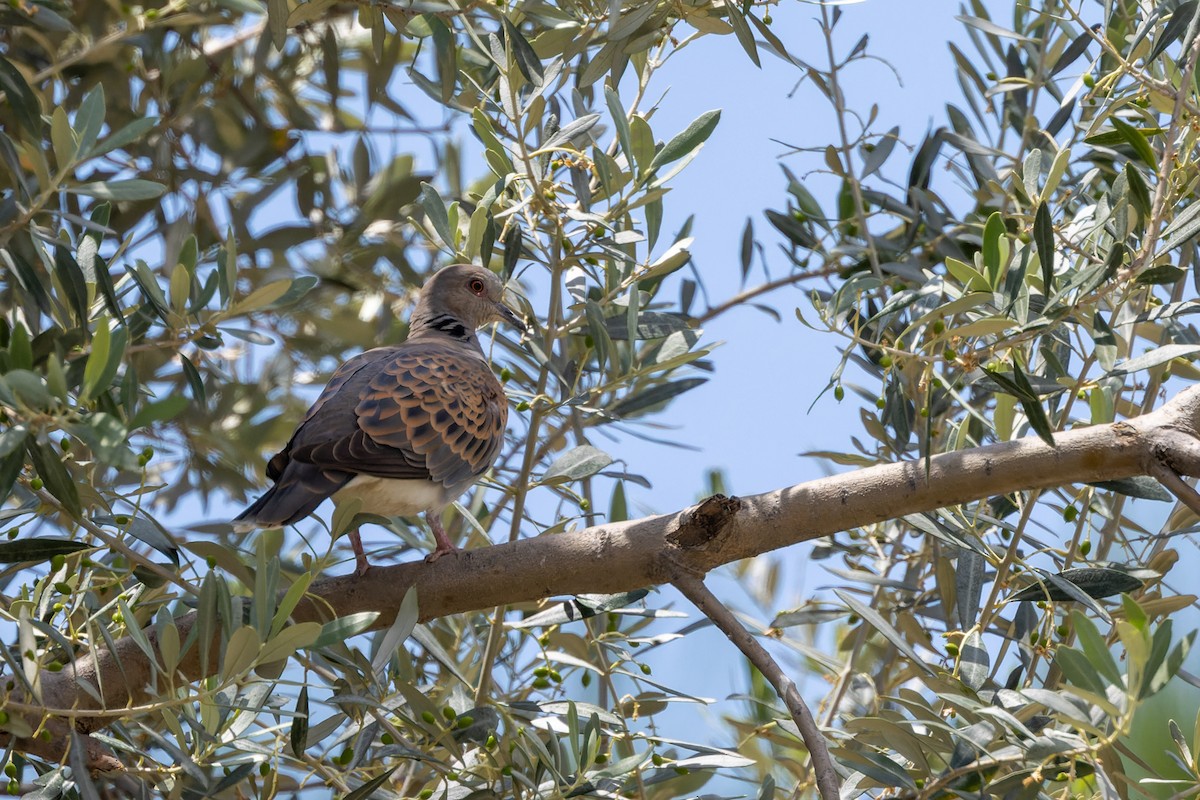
[393, 497]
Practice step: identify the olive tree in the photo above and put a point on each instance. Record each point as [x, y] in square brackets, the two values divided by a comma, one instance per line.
[208, 206]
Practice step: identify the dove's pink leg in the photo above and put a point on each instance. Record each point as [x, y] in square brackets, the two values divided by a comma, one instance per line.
[360, 558]
[444, 545]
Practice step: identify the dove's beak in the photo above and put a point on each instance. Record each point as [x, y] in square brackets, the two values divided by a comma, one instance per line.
[506, 314]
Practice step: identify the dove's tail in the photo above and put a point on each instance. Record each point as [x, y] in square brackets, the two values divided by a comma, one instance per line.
[300, 489]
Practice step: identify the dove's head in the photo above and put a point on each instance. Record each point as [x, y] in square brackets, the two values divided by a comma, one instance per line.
[471, 294]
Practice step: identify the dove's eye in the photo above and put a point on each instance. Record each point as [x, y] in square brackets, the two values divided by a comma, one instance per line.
[476, 286]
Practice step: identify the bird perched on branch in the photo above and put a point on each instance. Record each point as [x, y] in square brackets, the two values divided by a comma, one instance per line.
[403, 429]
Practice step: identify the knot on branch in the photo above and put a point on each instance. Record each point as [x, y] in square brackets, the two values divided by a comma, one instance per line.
[700, 526]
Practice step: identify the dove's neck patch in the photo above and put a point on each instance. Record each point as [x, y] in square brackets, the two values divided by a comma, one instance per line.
[452, 327]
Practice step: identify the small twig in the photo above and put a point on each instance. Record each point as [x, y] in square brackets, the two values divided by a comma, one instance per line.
[1177, 486]
[837, 100]
[117, 544]
[740, 299]
[1158, 207]
[826, 777]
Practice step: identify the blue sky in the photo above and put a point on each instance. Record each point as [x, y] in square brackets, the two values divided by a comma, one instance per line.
[768, 373]
[752, 419]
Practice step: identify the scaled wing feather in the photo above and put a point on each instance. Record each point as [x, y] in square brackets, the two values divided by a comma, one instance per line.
[438, 408]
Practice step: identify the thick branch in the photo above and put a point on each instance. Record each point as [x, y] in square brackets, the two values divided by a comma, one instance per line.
[630, 555]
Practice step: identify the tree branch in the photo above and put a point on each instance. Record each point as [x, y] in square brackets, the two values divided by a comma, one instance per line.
[1182, 490]
[629, 555]
[822, 764]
